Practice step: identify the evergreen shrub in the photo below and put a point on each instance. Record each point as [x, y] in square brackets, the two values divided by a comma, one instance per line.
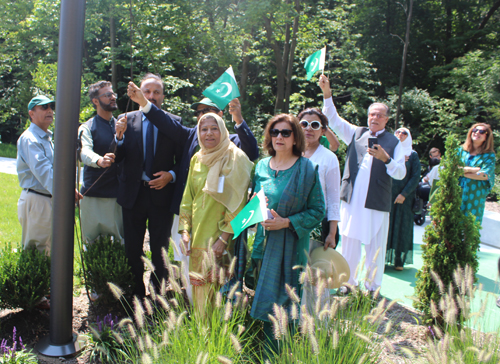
[105, 261]
[451, 240]
[24, 277]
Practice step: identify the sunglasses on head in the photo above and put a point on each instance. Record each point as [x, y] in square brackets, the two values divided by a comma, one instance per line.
[401, 132]
[480, 131]
[46, 106]
[206, 111]
[315, 125]
[285, 133]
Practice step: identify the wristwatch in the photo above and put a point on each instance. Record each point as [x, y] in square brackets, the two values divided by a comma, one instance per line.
[388, 161]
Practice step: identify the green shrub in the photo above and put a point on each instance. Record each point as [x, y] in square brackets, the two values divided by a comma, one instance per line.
[24, 277]
[105, 261]
[451, 240]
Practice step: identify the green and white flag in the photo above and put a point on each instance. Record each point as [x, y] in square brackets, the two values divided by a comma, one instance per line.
[255, 211]
[315, 62]
[222, 91]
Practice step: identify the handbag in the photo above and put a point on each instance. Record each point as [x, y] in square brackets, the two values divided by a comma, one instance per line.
[418, 205]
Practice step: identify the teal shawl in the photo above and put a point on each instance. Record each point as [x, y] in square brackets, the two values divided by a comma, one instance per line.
[303, 203]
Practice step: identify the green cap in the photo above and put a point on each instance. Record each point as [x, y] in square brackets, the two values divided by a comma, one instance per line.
[39, 100]
[205, 101]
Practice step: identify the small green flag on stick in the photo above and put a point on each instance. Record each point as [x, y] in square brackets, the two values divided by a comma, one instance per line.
[255, 211]
[315, 62]
[222, 91]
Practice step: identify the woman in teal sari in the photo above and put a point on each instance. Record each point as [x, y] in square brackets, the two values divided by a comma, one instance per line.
[478, 155]
[295, 200]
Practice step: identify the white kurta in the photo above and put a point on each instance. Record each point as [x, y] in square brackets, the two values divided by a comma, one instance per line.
[329, 176]
[357, 222]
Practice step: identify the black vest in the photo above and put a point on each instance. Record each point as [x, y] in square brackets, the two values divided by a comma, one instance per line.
[103, 135]
[380, 186]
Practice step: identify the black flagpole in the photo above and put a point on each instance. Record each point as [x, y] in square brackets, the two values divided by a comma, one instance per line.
[61, 340]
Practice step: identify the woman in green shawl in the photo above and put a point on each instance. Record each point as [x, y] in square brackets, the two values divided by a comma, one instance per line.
[295, 200]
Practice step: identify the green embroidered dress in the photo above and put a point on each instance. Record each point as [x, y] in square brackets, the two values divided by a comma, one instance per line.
[294, 193]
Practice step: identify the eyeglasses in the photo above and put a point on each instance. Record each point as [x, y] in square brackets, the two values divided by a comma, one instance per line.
[401, 132]
[378, 116]
[46, 106]
[480, 131]
[206, 110]
[108, 95]
[315, 125]
[285, 133]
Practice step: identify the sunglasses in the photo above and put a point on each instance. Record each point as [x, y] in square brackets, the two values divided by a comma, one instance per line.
[285, 133]
[108, 95]
[401, 132]
[315, 125]
[480, 131]
[46, 106]
[206, 110]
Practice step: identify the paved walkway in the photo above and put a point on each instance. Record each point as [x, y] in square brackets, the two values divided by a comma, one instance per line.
[8, 165]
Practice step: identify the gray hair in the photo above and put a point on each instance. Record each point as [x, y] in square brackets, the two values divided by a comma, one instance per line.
[387, 110]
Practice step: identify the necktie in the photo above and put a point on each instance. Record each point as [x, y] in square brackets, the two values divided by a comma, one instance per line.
[150, 151]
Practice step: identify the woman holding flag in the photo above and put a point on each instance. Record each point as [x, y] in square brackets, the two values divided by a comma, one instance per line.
[292, 187]
[215, 192]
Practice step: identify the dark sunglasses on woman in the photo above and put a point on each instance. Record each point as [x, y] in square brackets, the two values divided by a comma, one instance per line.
[315, 125]
[480, 131]
[401, 132]
[285, 133]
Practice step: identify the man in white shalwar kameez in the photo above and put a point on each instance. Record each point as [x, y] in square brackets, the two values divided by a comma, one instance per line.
[366, 187]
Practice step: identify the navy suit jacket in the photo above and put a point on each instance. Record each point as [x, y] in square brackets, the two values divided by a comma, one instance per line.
[244, 139]
[168, 152]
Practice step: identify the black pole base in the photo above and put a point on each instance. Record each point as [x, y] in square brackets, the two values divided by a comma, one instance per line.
[45, 347]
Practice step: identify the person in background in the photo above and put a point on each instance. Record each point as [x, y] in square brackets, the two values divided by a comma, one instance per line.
[207, 210]
[315, 124]
[400, 238]
[477, 153]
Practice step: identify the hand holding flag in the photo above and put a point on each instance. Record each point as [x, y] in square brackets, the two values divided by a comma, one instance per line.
[222, 91]
[254, 212]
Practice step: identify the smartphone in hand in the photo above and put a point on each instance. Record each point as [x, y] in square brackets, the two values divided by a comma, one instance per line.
[372, 142]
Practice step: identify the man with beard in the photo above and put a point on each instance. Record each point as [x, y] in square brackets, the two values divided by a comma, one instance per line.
[147, 185]
[100, 213]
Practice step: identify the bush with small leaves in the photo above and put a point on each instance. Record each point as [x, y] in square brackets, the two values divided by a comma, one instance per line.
[105, 261]
[24, 277]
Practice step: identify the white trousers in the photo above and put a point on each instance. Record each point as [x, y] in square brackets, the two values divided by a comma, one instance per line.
[179, 257]
[35, 216]
[101, 216]
[374, 260]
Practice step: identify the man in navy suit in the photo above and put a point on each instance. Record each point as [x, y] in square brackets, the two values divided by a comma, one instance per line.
[147, 184]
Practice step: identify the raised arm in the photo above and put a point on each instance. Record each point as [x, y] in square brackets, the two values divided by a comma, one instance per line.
[247, 141]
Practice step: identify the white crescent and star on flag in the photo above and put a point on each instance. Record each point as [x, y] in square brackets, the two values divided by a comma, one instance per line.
[229, 89]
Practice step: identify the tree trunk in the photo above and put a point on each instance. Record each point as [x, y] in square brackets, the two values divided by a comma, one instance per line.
[403, 63]
[244, 69]
[112, 43]
[291, 57]
[280, 72]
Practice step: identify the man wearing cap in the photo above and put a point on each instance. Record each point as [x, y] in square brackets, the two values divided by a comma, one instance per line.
[35, 158]
[147, 184]
[188, 138]
[366, 187]
[100, 213]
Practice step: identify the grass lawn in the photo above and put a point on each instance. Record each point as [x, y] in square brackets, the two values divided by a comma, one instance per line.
[10, 229]
[8, 150]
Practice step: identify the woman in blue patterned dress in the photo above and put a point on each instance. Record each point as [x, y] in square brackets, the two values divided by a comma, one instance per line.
[478, 155]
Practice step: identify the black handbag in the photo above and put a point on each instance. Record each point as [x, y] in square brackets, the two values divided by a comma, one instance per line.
[418, 205]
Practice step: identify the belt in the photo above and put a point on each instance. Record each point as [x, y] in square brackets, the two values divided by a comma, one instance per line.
[39, 193]
[145, 183]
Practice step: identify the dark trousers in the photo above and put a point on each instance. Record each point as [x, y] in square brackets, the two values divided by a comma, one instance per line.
[159, 223]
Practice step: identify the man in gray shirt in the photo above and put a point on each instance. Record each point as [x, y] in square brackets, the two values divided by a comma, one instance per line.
[35, 158]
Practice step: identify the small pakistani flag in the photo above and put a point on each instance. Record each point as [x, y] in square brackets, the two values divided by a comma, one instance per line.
[315, 62]
[222, 91]
[255, 211]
